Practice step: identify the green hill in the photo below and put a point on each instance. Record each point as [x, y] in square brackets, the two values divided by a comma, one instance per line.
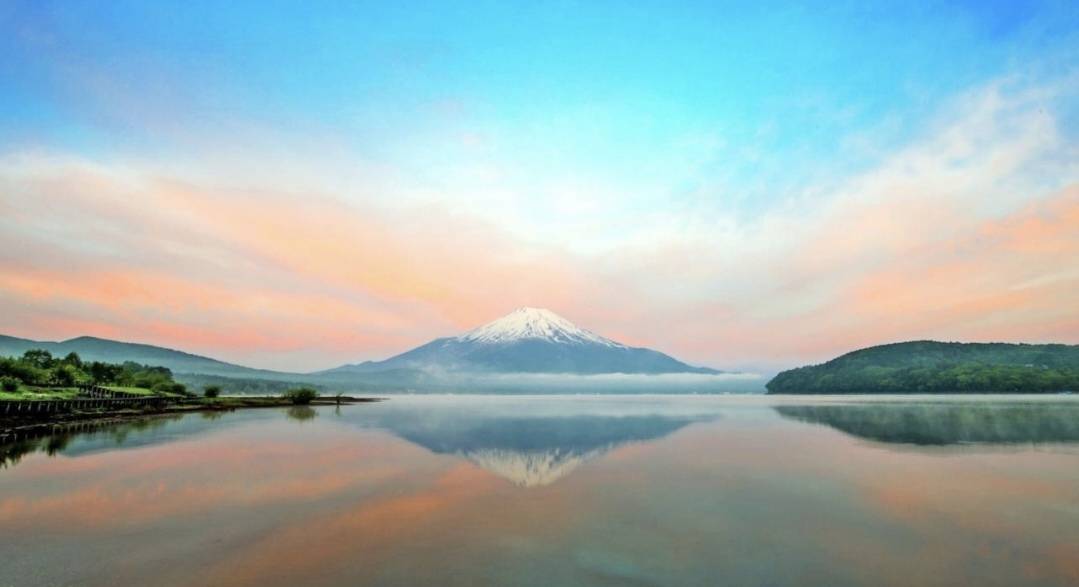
[111, 351]
[939, 367]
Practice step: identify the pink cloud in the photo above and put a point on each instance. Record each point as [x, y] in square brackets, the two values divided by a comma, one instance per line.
[969, 233]
[214, 270]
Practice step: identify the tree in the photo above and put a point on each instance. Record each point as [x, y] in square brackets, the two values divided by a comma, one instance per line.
[301, 395]
[211, 391]
[102, 373]
[40, 358]
[72, 359]
[9, 384]
[64, 376]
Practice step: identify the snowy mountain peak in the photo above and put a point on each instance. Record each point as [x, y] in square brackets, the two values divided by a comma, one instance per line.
[534, 323]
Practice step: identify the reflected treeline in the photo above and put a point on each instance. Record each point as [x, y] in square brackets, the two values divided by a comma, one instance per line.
[13, 451]
[301, 413]
[80, 438]
[947, 423]
[14, 447]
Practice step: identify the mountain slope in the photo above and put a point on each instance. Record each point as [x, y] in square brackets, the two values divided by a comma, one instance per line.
[529, 340]
[91, 348]
[511, 355]
[939, 367]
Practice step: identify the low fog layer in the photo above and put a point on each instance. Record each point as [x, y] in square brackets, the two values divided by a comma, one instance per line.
[433, 380]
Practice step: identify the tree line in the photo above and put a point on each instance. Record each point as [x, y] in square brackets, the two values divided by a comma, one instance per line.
[39, 368]
[965, 378]
[936, 367]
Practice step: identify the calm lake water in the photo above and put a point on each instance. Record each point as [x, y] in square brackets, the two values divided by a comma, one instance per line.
[581, 490]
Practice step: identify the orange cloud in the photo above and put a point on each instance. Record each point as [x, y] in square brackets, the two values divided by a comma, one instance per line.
[1015, 269]
[224, 270]
[1010, 278]
[260, 275]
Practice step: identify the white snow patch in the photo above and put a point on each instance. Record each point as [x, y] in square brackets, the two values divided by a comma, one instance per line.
[530, 468]
[534, 323]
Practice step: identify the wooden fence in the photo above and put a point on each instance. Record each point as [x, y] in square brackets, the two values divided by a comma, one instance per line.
[96, 391]
[42, 406]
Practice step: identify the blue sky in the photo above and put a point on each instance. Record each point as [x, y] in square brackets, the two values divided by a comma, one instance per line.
[575, 130]
[611, 89]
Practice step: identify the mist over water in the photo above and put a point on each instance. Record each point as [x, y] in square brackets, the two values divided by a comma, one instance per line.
[567, 490]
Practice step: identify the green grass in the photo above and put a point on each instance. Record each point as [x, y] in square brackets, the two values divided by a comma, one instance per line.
[26, 392]
[141, 391]
[243, 401]
[39, 393]
[134, 390]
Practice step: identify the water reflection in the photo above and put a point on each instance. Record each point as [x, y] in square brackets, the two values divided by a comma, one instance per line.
[947, 423]
[698, 489]
[81, 438]
[528, 445]
[301, 413]
[77, 438]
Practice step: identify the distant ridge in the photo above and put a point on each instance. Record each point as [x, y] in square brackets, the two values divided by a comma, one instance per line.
[91, 348]
[927, 366]
[519, 352]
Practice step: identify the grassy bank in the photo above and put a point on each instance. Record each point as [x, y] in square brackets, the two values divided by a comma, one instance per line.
[104, 411]
[248, 401]
[36, 393]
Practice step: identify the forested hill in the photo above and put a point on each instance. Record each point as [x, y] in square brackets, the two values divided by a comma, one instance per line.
[939, 367]
[111, 351]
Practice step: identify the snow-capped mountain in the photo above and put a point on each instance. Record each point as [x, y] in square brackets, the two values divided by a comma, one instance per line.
[534, 323]
[527, 340]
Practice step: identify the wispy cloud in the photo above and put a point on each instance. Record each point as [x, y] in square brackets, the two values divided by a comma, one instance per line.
[307, 256]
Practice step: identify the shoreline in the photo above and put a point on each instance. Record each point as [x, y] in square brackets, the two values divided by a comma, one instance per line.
[35, 424]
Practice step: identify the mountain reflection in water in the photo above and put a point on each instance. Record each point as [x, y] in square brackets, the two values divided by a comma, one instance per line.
[947, 423]
[529, 445]
[480, 490]
[530, 448]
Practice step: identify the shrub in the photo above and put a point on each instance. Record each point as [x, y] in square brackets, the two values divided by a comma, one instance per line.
[211, 391]
[9, 384]
[64, 376]
[301, 395]
[169, 387]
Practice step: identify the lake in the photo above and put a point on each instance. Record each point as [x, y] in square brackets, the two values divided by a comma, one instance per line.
[556, 490]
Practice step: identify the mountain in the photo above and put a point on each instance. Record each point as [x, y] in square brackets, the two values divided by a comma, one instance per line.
[939, 367]
[528, 340]
[527, 351]
[90, 348]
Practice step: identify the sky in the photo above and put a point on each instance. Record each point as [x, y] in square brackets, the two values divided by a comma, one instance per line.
[742, 185]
